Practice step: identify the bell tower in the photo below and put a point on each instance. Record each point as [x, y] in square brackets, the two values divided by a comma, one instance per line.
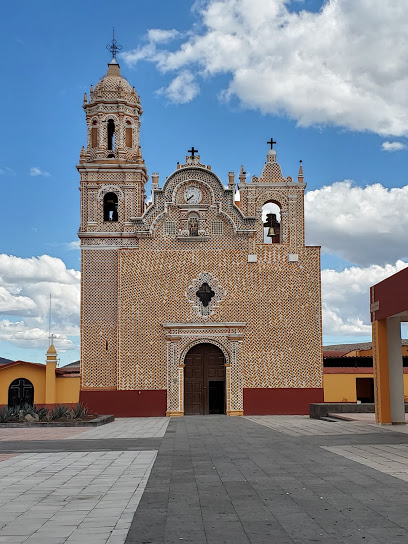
[113, 173]
[113, 177]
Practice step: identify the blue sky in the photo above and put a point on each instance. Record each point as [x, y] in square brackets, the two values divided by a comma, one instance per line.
[327, 80]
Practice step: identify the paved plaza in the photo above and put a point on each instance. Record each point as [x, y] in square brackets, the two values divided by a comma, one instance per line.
[206, 479]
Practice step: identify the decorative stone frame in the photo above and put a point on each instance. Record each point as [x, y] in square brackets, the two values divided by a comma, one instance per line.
[181, 337]
[110, 189]
[99, 198]
[220, 293]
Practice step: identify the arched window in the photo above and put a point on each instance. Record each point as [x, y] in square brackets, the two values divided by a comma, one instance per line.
[21, 392]
[94, 133]
[271, 219]
[110, 207]
[129, 138]
[193, 224]
[111, 134]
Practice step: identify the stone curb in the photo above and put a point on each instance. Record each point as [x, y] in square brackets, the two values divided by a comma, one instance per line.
[100, 420]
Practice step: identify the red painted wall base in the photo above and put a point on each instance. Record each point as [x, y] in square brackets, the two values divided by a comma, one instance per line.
[154, 403]
[280, 401]
[126, 403]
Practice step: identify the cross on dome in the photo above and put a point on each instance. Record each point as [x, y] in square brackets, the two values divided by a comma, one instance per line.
[192, 151]
[271, 142]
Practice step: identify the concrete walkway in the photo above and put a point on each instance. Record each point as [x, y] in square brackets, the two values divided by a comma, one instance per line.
[206, 479]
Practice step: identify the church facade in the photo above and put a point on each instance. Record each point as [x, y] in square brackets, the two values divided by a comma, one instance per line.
[185, 309]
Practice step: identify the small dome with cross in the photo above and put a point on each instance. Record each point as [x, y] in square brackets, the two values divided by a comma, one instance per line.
[271, 155]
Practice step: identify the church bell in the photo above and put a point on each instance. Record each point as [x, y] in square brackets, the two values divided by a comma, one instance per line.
[271, 231]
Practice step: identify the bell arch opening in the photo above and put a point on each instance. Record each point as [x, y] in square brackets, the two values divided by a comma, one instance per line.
[204, 380]
[110, 207]
[271, 220]
[111, 136]
[20, 393]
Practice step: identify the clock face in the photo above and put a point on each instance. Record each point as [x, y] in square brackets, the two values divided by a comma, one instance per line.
[193, 195]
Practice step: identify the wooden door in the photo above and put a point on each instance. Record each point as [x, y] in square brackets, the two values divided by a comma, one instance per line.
[205, 365]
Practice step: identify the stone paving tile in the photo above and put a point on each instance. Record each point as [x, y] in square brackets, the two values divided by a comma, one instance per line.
[215, 480]
[5, 456]
[219, 479]
[131, 427]
[304, 426]
[38, 433]
[50, 498]
[389, 459]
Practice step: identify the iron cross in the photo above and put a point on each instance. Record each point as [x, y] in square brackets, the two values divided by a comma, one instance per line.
[113, 47]
[271, 142]
[192, 151]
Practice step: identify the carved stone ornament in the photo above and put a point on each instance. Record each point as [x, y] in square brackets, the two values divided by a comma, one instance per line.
[205, 294]
[110, 189]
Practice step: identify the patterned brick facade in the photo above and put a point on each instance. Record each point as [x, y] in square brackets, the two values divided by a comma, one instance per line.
[141, 272]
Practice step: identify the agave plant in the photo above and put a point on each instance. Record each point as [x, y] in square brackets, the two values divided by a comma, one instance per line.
[80, 410]
[7, 414]
[59, 411]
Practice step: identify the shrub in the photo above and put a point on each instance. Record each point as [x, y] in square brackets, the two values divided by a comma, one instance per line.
[7, 415]
[59, 412]
[80, 410]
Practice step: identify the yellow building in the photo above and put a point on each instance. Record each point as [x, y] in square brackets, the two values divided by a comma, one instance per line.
[348, 374]
[40, 384]
[186, 309]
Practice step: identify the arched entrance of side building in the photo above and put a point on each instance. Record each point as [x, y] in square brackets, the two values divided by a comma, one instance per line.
[20, 393]
[204, 380]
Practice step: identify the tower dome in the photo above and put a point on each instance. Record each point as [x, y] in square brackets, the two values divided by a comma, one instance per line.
[113, 118]
[113, 86]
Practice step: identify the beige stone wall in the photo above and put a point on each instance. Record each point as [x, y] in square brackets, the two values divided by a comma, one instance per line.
[279, 302]
[99, 310]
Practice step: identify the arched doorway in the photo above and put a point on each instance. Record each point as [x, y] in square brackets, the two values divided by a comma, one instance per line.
[21, 392]
[204, 380]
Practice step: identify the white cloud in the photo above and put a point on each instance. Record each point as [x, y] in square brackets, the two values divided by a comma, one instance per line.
[21, 335]
[157, 35]
[7, 171]
[149, 50]
[25, 288]
[344, 65]
[36, 171]
[182, 89]
[346, 298]
[363, 225]
[74, 246]
[392, 146]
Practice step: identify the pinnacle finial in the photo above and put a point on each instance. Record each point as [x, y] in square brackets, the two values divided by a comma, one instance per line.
[113, 47]
[300, 174]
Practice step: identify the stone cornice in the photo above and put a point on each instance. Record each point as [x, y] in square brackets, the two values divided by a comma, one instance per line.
[207, 325]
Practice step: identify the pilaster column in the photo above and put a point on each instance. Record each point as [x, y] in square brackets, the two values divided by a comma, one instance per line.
[174, 383]
[235, 402]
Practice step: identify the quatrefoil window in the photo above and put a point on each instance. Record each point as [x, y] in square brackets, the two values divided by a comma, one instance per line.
[205, 294]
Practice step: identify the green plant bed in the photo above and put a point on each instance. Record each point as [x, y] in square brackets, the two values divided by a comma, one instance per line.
[34, 415]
